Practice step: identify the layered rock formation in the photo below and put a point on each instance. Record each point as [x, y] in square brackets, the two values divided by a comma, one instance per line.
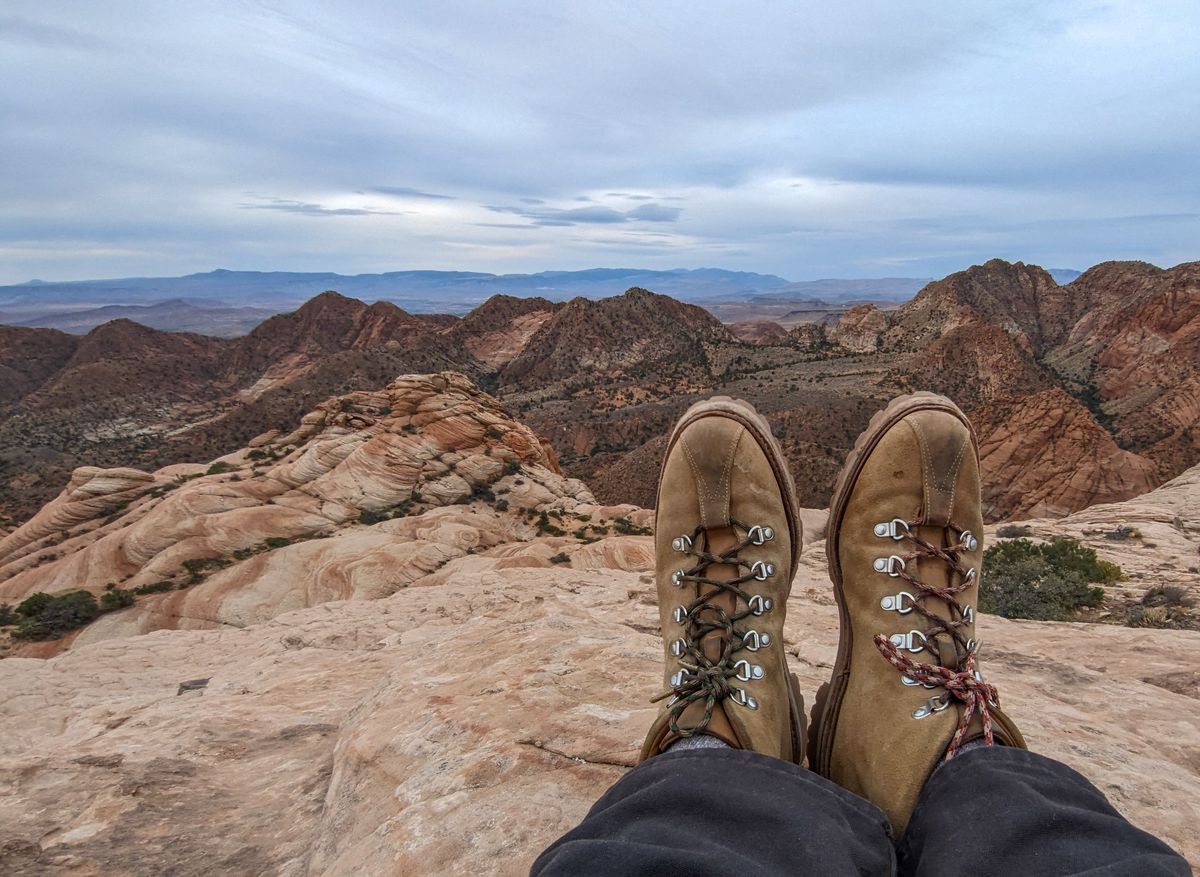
[249, 536]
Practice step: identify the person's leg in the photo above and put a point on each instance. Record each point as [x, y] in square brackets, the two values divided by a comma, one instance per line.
[724, 811]
[907, 720]
[999, 810]
[727, 543]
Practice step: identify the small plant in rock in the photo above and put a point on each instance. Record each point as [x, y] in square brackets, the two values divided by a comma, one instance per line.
[219, 468]
[1167, 595]
[500, 505]
[272, 542]
[561, 557]
[1123, 532]
[154, 588]
[7, 616]
[370, 516]
[1150, 616]
[545, 528]
[626, 527]
[1013, 531]
[117, 598]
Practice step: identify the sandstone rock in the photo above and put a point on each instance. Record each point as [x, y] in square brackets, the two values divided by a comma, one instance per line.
[760, 332]
[253, 532]
[860, 329]
[1044, 455]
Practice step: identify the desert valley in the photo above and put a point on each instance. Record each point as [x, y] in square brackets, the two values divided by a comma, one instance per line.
[365, 588]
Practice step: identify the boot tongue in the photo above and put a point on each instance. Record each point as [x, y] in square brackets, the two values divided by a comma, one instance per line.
[936, 573]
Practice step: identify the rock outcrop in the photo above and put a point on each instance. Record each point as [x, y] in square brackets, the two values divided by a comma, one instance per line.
[248, 537]
[860, 329]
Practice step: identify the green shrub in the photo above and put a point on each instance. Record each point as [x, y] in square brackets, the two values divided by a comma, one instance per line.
[1043, 582]
[117, 598]
[273, 542]
[561, 557]
[501, 505]
[1013, 531]
[46, 616]
[7, 616]
[219, 468]
[626, 527]
[545, 528]
[199, 567]
[155, 588]
[369, 516]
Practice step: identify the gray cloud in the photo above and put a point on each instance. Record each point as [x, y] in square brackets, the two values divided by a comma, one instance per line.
[307, 209]
[853, 139]
[406, 192]
[595, 215]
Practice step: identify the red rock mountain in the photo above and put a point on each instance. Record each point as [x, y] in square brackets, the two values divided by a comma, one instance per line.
[1082, 393]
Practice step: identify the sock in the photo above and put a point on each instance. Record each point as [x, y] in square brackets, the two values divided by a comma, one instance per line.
[700, 741]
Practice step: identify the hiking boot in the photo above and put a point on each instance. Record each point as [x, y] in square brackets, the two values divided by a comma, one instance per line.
[727, 541]
[905, 544]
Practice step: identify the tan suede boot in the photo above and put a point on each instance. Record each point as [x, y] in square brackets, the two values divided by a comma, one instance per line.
[905, 546]
[727, 542]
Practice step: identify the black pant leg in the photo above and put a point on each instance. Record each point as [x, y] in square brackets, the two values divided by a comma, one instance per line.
[709, 812]
[1003, 811]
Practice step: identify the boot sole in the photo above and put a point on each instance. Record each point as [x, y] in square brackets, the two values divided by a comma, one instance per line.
[828, 701]
[757, 425]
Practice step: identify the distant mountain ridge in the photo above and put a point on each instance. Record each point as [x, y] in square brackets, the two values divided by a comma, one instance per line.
[427, 291]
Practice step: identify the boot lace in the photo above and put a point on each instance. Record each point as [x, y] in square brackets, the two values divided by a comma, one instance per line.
[962, 681]
[703, 678]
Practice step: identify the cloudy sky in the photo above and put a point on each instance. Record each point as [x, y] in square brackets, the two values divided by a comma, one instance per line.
[864, 138]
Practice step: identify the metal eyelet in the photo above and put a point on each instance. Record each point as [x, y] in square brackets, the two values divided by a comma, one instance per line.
[682, 543]
[762, 571]
[935, 704]
[679, 615]
[912, 683]
[752, 640]
[889, 565]
[678, 678]
[677, 648]
[970, 576]
[892, 528]
[908, 641]
[677, 578]
[968, 614]
[759, 534]
[739, 696]
[759, 604]
[747, 671]
[968, 541]
[895, 603]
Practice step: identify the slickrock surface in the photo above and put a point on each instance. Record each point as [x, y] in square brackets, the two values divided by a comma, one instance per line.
[461, 724]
